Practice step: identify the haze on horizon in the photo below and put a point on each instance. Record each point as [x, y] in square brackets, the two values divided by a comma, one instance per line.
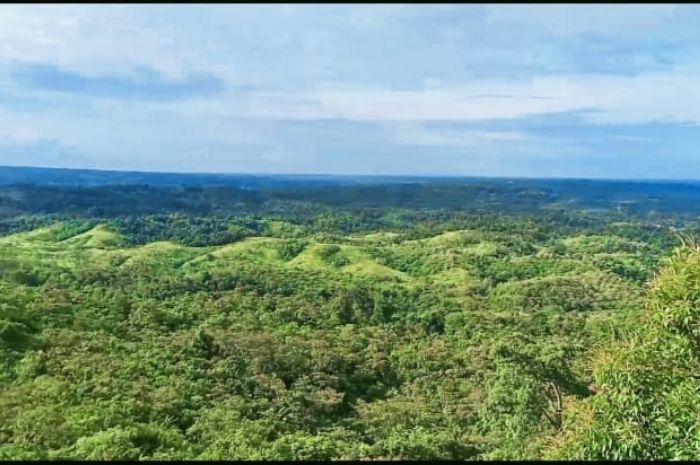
[586, 91]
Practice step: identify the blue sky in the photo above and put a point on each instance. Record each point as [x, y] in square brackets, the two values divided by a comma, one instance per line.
[608, 91]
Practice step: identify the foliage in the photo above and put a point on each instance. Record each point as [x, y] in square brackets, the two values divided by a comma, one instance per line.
[646, 408]
[321, 321]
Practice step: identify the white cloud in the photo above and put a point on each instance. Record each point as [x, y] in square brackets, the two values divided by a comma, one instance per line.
[643, 98]
[89, 38]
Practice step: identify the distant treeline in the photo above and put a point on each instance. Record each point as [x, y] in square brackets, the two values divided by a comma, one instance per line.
[106, 194]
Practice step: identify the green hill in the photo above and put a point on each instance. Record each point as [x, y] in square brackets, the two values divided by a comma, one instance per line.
[240, 337]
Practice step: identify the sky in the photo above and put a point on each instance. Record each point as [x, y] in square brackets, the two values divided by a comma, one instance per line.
[572, 90]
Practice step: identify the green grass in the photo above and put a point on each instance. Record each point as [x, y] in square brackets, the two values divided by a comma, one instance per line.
[352, 256]
[98, 237]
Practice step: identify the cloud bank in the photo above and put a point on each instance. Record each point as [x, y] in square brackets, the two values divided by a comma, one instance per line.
[527, 90]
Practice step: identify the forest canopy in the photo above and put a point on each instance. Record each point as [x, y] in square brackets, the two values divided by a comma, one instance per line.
[286, 318]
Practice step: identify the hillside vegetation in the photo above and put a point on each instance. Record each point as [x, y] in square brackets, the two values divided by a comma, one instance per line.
[648, 385]
[333, 333]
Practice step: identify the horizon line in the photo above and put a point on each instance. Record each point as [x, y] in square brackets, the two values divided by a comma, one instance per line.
[331, 175]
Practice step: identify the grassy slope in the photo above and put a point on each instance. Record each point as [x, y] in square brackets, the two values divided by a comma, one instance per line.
[446, 253]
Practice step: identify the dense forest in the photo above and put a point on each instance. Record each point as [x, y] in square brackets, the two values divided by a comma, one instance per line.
[155, 316]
